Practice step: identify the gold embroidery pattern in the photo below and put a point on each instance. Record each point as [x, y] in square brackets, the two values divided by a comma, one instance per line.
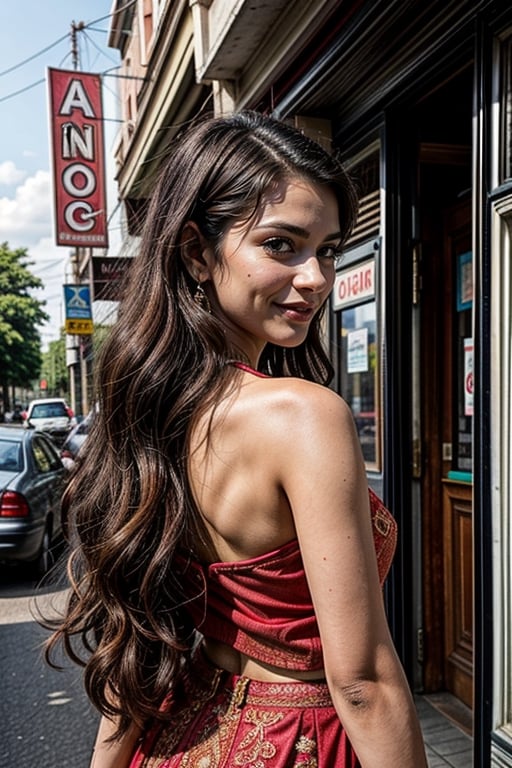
[167, 742]
[226, 723]
[293, 695]
[285, 657]
[212, 741]
[254, 750]
[306, 753]
[215, 740]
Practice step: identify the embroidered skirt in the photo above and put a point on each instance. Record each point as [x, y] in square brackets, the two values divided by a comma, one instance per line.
[230, 721]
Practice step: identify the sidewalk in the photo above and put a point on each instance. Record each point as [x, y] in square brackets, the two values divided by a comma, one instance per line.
[448, 746]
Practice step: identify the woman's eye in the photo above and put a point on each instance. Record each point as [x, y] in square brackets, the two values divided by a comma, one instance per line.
[329, 252]
[278, 245]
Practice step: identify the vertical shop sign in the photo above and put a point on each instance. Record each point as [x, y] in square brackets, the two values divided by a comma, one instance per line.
[77, 300]
[78, 158]
[468, 377]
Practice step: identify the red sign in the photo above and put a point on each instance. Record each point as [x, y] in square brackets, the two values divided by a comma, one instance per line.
[354, 285]
[78, 158]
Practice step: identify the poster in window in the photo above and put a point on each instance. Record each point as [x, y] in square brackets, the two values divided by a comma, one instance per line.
[357, 351]
[468, 377]
[465, 281]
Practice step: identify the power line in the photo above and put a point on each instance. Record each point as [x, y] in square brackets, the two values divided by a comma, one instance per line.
[95, 45]
[43, 80]
[22, 90]
[59, 40]
[34, 56]
[109, 15]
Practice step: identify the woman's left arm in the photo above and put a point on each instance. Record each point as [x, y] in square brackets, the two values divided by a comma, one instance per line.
[114, 754]
[320, 467]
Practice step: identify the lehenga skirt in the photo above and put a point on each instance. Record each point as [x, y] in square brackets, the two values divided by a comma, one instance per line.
[229, 721]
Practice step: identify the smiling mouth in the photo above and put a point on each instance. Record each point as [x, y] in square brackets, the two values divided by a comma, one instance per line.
[301, 312]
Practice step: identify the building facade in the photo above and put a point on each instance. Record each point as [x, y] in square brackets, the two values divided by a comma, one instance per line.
[418, 99]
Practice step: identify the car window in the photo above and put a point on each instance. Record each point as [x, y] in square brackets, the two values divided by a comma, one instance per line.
[48, 411]
[83, 428]
[51, 452]
[45, 457]
[11, 459]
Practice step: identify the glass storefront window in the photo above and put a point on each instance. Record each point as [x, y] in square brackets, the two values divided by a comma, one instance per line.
[358, 374]
[356, 331]
[462, 363]
[356, 342]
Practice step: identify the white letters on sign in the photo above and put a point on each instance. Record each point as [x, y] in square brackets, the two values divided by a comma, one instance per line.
[78, 158]
[354, 285]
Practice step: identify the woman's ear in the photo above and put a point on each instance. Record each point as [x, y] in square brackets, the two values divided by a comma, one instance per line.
[195, 252]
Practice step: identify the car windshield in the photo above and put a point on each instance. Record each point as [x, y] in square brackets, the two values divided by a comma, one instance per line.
[10, 456]
[48, 411]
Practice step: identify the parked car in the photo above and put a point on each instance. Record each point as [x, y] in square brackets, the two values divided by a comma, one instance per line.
[51, 415]
[31, 482]
[15, 416]
[74, 441]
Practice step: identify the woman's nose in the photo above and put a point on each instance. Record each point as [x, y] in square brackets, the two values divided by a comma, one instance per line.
[310, 275]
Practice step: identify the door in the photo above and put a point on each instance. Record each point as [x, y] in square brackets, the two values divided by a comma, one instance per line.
[457, 457]
[446, 401]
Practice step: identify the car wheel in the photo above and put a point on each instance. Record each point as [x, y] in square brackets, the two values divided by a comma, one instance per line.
[44, 559]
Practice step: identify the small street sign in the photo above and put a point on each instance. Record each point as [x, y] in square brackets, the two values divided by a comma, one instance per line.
[79, 327]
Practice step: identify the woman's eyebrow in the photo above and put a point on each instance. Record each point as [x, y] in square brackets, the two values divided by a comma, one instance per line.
[295, 230]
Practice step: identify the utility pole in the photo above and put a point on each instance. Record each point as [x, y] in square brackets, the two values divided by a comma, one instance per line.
[74, 343]
[75, 27]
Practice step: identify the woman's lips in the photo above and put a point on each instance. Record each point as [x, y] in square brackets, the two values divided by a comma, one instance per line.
[297, 312]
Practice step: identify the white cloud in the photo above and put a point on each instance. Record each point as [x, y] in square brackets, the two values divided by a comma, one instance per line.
[26, 217]
[10, 175]
[26, 221]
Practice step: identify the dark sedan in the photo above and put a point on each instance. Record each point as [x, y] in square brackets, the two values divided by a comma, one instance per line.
[74, 441]
[31, 483]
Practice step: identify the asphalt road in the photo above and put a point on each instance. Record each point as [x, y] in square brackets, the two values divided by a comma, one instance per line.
[45, 718]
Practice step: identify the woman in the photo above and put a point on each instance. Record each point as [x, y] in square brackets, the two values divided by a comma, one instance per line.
[225, 583]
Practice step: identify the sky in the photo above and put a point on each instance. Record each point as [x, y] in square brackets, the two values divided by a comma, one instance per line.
[35, 35]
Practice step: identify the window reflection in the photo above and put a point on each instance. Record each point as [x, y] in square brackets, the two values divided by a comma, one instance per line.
[358, 374]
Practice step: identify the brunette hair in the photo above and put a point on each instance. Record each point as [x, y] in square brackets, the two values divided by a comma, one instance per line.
[128, 505]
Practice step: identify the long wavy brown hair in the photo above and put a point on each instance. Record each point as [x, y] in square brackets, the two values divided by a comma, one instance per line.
[128, 506]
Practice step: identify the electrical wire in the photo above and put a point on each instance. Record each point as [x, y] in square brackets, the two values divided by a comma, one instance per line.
[111, 15]
[95, 45]
[34, 56]
[55, 43]
[22, 90]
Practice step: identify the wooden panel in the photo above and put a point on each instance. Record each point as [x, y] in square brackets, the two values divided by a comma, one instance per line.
[458, 584]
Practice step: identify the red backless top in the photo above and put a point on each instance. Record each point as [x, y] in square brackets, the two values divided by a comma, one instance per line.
[262, 606]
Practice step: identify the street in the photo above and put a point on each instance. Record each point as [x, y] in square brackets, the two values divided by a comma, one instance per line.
[46, 719]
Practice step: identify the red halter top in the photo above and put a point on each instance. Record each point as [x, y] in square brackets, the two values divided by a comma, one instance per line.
[262, 606]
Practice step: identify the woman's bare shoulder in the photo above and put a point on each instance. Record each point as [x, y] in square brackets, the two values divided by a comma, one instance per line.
[291, 408]
[288, 395]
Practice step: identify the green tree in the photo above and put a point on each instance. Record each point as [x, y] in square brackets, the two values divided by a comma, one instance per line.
[20, 316]
[54, 368]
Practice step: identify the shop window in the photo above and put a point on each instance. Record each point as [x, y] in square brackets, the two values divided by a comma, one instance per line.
[463, 369]
[501, 475]
[356, 329]
[357, 345]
